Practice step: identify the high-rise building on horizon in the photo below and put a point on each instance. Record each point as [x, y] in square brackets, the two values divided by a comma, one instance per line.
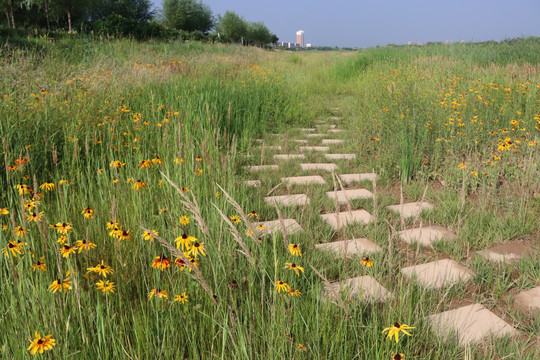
[300, 37]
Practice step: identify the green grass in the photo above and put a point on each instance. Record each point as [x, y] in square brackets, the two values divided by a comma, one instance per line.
[197, 100]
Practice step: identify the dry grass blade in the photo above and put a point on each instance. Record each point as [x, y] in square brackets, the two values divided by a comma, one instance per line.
[282, 225]
[274, 188]
[330, 288]
[191, 205]
[236, 236]
[393, 235]
[197, 273]
[421, 202]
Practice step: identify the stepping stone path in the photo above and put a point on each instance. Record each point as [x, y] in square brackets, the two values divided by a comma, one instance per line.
[270, 147]
[315, 135]
[319, 166]
[509, 252]
[290, 225]
[528, 301]
[426, 235]
[252, 183]
[345, 196]
[303, 180]
[300, 141]
[289, 157]
[342, 219]
[332, 141]
[470, 324]
[365, 287]
[288, 200]
[314, 148]
[340, 156]
[335, 131]
[307, 129]
[254, 168]
[349, 179]
[410, 210]
[438, 274]
[358, 247]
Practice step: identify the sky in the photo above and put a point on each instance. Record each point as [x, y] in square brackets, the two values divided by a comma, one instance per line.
[366, 23]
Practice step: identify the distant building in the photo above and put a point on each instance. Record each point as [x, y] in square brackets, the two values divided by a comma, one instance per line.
[300, 37]
[308, 45]
[288, 44]
[416, 43]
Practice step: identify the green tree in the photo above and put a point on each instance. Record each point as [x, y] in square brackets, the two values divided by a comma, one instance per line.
[258, 34]
[140, 10]
[232, 27]
[188, 15]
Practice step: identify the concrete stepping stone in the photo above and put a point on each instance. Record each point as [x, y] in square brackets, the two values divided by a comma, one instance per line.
[342, 219]
[364, 287]
[360, 247]
[426, 235]
[314, 148]
[335, 131]
[304, 180]
[260, 141]
[289, 156]
[345, 196]
[410, 209]
[288, 200]
[438, 274]
[290, 225]
[307, 129]
[335, 117]
[319, 166]
[300, 141]
[348, 179]
[254, 168]
[315, 135]
[528, 301]
[330, 126]
[510, 252]
[340, 156]
[271, 147]
[332, 141]
[252, 183]
[470, 324]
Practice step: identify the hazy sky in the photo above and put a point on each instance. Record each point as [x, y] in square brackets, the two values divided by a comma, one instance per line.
[366, 23]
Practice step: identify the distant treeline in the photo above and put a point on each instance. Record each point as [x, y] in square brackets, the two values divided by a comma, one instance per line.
[178, 19]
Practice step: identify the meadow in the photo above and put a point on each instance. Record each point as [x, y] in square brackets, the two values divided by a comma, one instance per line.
[128, 231]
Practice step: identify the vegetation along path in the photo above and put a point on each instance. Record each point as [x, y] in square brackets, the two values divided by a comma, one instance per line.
[233, 203]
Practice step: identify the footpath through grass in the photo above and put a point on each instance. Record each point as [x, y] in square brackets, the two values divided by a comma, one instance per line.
[93, 131]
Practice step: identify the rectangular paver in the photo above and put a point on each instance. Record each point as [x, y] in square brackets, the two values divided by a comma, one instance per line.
[253, 168]
[359, 247]
[345, 196]
[509, 252]
[289, 156]
[364, 287]
[304, 180]
[470, 324]
[314, 148]
[340, 156]
[290, 225]
[342, 219]
[314, 135]
[348, 179]
[252, 183]
[438, 274]
[319, 166]
[335, 131]
[288, 200]
[271, 147]
[332, 141]
[426, 235]
[409, 210]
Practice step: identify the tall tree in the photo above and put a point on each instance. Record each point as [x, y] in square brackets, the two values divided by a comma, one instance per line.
[232, 27]
[258, 34]
[188, 15]
[140, 10]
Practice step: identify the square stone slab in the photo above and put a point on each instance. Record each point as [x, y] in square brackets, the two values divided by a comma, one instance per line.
[252, 183]
[426, 235]
[254, 168]
[319, 166]
[288, 200]
[358, 247]
[304, 180]
[345, 196]
[410, 210]
[335, 131]
[332, 141]
[314, 135]
[528, 301]
[270, 227]
[470, 324]
[289, 156]
[363, 287]
[340, 156]
[347, 217]
[438, 274]
[348, 179]
[512, 251]
[314, 148]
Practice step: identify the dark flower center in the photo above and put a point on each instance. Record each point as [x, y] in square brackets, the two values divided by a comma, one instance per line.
[398, 325]
[196, 245]
[67, 247]
[293, 265]
[102, 267]
[184, 236]
[11, 246]
[40, 342]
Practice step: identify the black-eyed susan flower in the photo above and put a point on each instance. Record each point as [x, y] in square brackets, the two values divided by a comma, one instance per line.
[294, 292]
[40, 344]
[84, 245]
[32, 216]
[218, 194]
[23, 189]
[253, 215]
[185, 189]
[198, 159]
[144, 164]
[88, 213]
[12, 248]
[157, 161]
[139, 184]
[397, 357]
[395, 329]
[21, 161]
[40, 265]
[301, 347]
[281, 286]
[157, 292]
[295, 250]
[62, 228]
[367, 262]
[161, 263]
[66, 250]
[182, 298]
[105, 287]
[196, 248]
[63, 182]
[147, 235]
[112, 224]
[124, 235]
[47, 186]
[4, 211]
[235, 219]
[117, 164]
[184, 220]
[199, 172]
[184, 241]
[294, 267]
[101, 269]
[259, 227]
[20, 231]
[59, 285]
[4, 227]
[62, 239]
